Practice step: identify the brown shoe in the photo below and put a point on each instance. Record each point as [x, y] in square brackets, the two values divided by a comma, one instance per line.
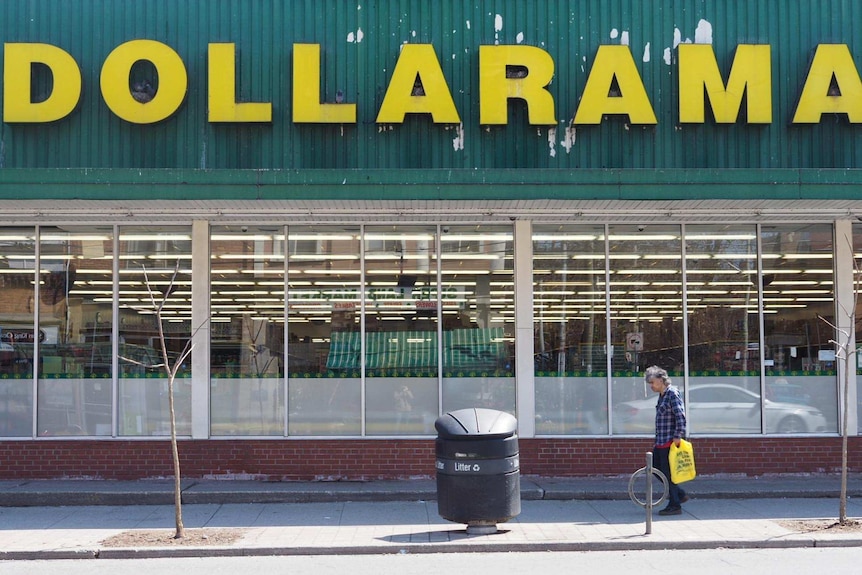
[684, 499]
[671, 511]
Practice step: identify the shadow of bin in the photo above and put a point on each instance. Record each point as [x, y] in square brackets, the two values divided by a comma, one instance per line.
[478, 475]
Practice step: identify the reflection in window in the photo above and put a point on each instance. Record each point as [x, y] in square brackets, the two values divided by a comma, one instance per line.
[478, 302]
[75, 387]
[569, 318]
[324, 347]
[149, 259]
[401, 343]
[857, 288]
[723, 323]
[247, 330]
[798, 355]
[646, 313]
[17, 267]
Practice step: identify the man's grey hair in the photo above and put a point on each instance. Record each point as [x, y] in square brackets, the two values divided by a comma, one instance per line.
[655, 372]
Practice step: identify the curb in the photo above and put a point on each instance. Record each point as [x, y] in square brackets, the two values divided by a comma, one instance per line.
[118, 498]
[414, 548]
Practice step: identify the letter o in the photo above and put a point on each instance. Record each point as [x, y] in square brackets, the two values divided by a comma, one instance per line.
[114, 81]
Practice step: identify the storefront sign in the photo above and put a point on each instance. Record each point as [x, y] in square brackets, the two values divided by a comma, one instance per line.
[613, 86]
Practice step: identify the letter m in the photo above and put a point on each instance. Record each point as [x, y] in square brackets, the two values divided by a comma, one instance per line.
[751, 74]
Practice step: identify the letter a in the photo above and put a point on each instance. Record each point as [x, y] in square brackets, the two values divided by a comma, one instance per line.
[614, 62]
[830, 60]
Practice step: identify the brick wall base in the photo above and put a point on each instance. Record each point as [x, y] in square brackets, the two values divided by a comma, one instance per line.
[307, 460]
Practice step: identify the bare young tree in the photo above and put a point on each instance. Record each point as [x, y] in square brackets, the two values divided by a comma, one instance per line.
[844, 351]
[158, 301]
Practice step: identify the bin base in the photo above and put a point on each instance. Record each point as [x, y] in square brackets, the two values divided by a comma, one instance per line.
[482, 529]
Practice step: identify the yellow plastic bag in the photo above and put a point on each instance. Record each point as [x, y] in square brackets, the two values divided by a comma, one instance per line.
[682, 462]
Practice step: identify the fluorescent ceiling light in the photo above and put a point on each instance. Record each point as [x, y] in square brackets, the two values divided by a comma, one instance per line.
[321, 237]
[564, 237]
[155, 237]
[821, 256]
[662, 256]
[255, 256]
[398, 237]
[642, 237]
[720, 237]
[480, 237]
[323, 257]
[73, 238]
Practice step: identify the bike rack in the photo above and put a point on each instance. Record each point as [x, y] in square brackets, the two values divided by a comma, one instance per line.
[649, 471]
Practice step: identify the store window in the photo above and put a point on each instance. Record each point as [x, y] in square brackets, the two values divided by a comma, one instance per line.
[324, 312]
[478, 308]
[798, 308]
[75, 350]
[17, 309]
[857, 290]
[646, 318]
[723, 329]
[570, 330]
[155, 271]
[401, 330]
[247, 330]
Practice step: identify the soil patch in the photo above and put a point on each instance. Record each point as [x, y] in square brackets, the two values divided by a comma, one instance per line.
[165, 538]
[831, 525]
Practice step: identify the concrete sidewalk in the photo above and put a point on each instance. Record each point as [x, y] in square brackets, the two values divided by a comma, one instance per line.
[71, 519]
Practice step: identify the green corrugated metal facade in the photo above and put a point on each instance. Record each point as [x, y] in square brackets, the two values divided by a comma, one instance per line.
[360, 43]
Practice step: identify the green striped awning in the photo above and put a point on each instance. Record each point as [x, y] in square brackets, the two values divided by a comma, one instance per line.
[462, 349]
[473, 348]
[401, 350]
[344, 349]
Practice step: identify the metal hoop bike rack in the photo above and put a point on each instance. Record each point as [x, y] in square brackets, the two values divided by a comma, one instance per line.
[648, 503]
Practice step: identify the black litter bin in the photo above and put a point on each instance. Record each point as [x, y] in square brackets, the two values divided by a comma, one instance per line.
[478, 476]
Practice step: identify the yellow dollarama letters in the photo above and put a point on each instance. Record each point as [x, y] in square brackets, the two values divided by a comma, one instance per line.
[751, 72]
[496, 88]
[307, 108]
[830, 60]
[18, 60]
[114, 81]
[614, 62]
[418, 60]
[223, 106]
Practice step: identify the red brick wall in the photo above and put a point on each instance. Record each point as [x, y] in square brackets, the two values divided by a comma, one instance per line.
[398, 459]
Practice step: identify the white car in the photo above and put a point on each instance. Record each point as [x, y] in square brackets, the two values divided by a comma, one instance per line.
[723, 408]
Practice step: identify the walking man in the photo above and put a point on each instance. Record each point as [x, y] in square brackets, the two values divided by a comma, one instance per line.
[670, 426]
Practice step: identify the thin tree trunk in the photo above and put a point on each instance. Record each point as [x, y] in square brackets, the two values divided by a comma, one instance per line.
[178, 504]
[842, 498]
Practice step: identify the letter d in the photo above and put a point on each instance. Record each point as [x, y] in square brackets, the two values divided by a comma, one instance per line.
[18, 59]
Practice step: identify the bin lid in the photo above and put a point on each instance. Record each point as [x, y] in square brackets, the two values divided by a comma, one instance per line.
[476, 422]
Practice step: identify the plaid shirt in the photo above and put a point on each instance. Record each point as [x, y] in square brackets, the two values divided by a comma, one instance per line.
[669, 417]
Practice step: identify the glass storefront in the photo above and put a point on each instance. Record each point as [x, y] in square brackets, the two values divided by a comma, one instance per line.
[17, 292]
[154, 272]
[247, 330]
[478, 296]
[798, 312]
[646, 322]
[570, 328]
[375, 330]
[723, 328]
[324, 348]
[401, 339]
[75, 368]
[737, 298]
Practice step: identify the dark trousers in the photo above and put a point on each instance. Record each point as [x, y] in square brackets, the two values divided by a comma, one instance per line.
[661, 461]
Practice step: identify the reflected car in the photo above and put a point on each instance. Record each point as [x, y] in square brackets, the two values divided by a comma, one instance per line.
[723, 408]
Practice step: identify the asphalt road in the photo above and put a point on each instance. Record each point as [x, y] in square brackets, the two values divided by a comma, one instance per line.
[670, 562]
